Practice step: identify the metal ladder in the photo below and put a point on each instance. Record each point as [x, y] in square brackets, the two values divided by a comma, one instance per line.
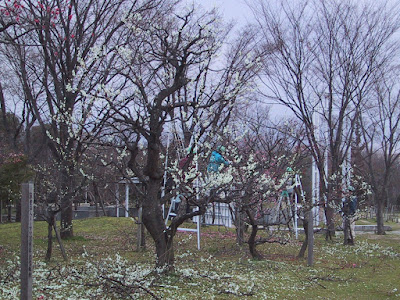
[180, 151]
[174, 205]
[179, 146]
[297, 184]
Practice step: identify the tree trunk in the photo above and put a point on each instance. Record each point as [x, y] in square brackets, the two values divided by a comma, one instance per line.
[154, 223]
[66, 229]
[379, 215]
[49, 238]
[305, 243]
[59, 239]
[96, 207]
[329, 214]
[98, 199]
[240, 225]
[252, 242]
[18, 211]
[9, 212]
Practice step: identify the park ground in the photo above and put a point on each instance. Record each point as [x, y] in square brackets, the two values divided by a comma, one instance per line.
[103, 264]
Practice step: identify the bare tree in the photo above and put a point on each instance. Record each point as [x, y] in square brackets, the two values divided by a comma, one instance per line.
[380, 123]
[324, 58]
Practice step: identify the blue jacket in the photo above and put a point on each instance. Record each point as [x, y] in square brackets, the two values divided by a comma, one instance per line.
[216, 160]
[353, 205]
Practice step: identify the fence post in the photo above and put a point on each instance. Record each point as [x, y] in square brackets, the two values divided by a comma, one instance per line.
[26, 240]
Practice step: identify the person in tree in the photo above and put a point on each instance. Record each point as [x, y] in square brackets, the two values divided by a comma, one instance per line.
[290, 183]
[186, 162]
[217, 160]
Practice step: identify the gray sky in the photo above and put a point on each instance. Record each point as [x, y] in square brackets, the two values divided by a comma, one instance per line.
[238, 11]
[231, 9]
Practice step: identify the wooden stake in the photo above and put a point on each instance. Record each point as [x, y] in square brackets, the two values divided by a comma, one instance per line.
[26, 240]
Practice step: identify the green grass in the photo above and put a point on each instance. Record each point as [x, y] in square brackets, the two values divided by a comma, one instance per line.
[102, 253]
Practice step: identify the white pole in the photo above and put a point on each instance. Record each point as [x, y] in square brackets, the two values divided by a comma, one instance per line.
[198, 232]
[295, 215]
[326, 176]
[316, 181]
[315, 189]
[126, 200]
[197, 195]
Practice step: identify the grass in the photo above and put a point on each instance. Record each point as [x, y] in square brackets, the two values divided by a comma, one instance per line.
[103, 264]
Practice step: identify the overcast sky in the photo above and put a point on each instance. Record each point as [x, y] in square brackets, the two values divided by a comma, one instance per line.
[239, 11]
[231, 9]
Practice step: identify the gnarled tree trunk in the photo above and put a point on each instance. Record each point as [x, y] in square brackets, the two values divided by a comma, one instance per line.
[252, 242]
[152, 213]
[252, 239]
[305, 243]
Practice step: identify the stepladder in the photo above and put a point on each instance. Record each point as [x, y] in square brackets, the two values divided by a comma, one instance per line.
[176, 202]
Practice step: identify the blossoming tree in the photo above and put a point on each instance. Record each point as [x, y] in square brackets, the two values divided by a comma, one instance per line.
[173, 72]
[62, 55]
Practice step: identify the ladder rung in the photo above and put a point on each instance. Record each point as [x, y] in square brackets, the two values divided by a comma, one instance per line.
[187, 229]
